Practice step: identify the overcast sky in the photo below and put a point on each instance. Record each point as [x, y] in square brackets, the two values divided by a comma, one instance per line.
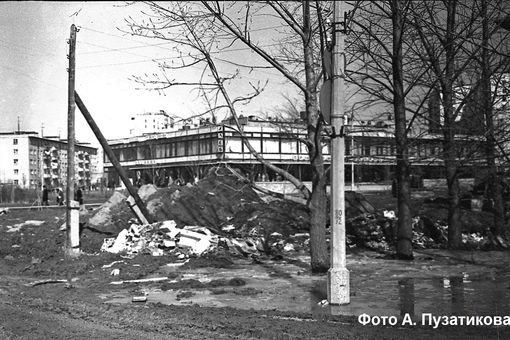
[33, 69]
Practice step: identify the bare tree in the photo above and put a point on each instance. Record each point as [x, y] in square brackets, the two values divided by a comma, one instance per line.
[200, 30]
[438, 49]
[492, 39]
[455, 39]
[382, 66]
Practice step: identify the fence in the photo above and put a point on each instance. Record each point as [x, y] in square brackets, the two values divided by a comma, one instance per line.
[10, 193]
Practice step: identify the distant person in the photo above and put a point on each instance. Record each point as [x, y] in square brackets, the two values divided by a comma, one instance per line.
[78, 195]
[394, 188]
[60, 196]
[45, 195]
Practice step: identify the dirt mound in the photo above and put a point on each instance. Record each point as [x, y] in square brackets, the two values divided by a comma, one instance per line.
[112, 216]
[219, 200]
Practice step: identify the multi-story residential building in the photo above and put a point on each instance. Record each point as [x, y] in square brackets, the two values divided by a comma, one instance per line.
[151, 122]
[31, 161]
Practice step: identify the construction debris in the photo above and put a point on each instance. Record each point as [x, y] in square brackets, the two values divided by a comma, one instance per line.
[156, 279]
[161, 238]
[222, 212]
[42, 282]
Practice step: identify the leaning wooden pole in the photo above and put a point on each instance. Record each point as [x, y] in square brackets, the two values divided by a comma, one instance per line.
[72, 244]
[116, 164]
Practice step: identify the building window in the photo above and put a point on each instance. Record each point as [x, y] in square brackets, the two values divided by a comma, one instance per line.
[366, 150]
[16, 182]
[15, 151]
[15, 162]
[15, 141]
[16, 171]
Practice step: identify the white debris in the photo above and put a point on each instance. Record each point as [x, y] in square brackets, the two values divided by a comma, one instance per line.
[12, 229]
[111, 264]
[228, 227]
[160, 237]
[390, 214]
[120, 243]
[198, 242]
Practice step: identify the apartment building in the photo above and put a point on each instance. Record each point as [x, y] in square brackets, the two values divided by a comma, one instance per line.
[30, 161]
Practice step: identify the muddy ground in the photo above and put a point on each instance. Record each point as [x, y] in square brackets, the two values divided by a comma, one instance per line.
[46, 296]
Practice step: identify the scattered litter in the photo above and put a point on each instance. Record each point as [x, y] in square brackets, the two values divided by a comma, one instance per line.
[111, 264]
[13, 229]
[323, 303]
[115, 272]
[36, 283]
[389, 214]
[156, 279]
[17, 227]
[32, 222]
[176, 264]
[4, 211]
[139, 299]
[229, 227]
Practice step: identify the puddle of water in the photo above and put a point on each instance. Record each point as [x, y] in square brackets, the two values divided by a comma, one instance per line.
[382, 293]
[454, 295]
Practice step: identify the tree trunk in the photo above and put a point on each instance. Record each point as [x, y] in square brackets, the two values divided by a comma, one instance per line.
[490, 143]
[319, 254]
[454, 229]
[450, 147]
[404, 223]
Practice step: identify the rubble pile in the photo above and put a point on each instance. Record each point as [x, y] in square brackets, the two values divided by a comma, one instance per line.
[165, 238]
[230, 214]
[223, 213]
[161, 238]
[378, 232]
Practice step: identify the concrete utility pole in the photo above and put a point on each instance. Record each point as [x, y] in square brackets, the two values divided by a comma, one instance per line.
[72, 245]
[338, 275]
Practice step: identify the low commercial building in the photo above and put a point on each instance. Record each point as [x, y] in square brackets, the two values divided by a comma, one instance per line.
[184, 154]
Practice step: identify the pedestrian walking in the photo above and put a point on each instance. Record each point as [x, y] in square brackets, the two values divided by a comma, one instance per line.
[60, 196]
[78, 195]
[45, 195]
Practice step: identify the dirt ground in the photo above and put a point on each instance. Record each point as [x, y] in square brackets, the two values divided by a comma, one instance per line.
[46, 296]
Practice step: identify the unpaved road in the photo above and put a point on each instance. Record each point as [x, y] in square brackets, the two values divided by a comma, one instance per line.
[32, 253]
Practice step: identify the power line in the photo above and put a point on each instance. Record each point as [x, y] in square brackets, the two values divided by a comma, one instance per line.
[160, 44]
[29, 76]
[107, 50]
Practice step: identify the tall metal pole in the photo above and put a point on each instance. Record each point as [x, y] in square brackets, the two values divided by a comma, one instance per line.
[72, 245]
[338, 275]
